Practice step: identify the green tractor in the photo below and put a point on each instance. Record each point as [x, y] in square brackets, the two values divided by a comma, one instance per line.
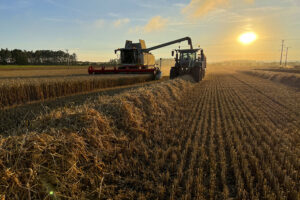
[189, 61]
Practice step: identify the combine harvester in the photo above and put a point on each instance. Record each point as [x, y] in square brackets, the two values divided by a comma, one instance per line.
[135, 58]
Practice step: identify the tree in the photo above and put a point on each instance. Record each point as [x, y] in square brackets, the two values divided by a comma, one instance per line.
[38, 57]
[20, 57]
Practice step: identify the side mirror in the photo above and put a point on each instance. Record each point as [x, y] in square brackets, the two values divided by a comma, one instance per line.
[116, 51]
[172, 53]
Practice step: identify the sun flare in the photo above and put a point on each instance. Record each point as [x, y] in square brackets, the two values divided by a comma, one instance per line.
[247, 38]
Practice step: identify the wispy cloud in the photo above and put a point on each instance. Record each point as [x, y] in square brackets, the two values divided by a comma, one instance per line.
[147, 5]
[155, 24]
[265, 9]
[249, 1]
[99, 23]
[120, 22]
[225, 16]
[199, 8]
[112, 14]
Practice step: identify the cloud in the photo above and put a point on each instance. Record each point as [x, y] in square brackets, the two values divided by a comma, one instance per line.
[136, 29]
[249, 1]
[199, 8]
[99, 23]
[119, 22]
[74, 50]
[156, 23]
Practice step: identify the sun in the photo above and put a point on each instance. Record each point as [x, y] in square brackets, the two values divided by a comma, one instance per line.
[248, 38]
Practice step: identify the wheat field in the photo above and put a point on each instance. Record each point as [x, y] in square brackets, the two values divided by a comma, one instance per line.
[17, 91]
[231, 136]
[287, 77]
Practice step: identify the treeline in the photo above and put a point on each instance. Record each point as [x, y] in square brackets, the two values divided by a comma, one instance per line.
[39, 57]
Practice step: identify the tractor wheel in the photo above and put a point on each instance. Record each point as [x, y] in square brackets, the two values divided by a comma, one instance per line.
[173, 73]
[197, 74]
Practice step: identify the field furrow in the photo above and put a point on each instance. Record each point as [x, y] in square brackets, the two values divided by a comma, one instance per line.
[263, 136]
[188, 145]
[277, 110]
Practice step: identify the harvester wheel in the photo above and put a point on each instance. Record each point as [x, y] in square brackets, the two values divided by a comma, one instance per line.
[173, 73]
[157, 75]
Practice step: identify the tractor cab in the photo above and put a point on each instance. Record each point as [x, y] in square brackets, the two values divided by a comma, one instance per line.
[189, 61]
[187, 57]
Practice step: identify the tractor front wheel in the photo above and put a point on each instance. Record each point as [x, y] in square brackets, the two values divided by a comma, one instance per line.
[197, 74]
[173, 73]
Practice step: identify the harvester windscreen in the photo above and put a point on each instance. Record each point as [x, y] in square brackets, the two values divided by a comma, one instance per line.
[129, 56]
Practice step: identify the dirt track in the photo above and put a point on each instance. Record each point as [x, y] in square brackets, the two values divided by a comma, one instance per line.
[230, 136]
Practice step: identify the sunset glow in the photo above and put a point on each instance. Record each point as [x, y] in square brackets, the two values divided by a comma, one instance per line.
[247, 38]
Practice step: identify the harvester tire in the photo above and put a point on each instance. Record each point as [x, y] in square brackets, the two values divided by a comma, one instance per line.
[157, 75]
[173, 73]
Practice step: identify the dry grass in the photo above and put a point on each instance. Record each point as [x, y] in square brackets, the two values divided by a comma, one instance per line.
[232, 136]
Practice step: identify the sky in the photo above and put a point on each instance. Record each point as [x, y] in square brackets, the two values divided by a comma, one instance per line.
[94, 28]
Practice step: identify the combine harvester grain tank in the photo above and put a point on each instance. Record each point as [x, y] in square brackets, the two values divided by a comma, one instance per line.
[136, 58]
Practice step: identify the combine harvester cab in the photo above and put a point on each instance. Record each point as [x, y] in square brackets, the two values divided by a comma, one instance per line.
[135, 58]
[189, 61]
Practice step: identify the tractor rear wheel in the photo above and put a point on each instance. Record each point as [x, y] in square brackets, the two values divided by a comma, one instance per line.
[173, 73]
